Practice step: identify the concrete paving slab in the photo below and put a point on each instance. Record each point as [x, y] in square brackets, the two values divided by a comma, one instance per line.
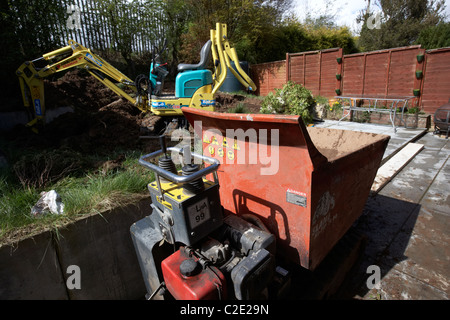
[400, 286]
[382, 219]
[413, 181]
[437, 197]
[427, 253]
[407, 227]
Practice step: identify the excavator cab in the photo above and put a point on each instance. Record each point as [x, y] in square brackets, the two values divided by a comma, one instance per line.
[193, 85]
[190, 76]
[193, 76]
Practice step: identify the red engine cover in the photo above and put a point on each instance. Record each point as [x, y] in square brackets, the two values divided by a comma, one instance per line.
[203, 284]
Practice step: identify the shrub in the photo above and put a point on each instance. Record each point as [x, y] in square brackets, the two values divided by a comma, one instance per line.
[292, 99]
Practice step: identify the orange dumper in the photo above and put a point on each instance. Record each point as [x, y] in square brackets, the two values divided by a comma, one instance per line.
[317, 190]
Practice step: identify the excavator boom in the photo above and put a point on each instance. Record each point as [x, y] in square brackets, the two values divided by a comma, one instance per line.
[74, 55]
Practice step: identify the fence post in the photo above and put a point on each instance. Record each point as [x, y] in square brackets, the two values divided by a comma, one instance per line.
[364, 73]
[339, 70]
[418, 82]
[288, 68]
[387, 75]
[320, 71]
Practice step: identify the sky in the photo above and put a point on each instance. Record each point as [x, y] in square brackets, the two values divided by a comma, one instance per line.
[345, 11]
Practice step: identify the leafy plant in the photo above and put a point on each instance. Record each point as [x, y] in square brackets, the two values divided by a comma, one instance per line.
[321, 100]
[413, 110]
[292, 99]
[240, 108]
[337, 105]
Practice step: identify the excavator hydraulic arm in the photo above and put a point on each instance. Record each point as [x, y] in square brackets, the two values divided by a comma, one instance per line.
[74, 55]
[222, 52]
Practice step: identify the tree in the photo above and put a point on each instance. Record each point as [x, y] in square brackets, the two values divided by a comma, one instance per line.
[117, 14]
[175, 20]
[25, 35]
[250, 24]
[325, 33]
[400, 22]
[435, 37]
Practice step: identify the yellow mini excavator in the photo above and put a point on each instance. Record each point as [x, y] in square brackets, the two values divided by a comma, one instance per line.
[195, 85]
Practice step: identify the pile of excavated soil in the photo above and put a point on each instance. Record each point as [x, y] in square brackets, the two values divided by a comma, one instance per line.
[228, 101]
[78, 89]
[102, 120]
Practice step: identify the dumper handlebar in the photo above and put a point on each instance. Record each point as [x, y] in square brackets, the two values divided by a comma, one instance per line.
[212, 168]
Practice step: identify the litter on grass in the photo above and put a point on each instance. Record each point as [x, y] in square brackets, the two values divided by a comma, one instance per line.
[50, 202]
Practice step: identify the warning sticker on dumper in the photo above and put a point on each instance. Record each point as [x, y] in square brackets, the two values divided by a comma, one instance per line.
[296, 197]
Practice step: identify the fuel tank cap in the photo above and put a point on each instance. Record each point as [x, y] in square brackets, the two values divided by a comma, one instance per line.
[189, 268]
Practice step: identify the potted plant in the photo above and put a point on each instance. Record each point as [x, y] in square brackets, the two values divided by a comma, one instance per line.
[338, 91]
[420, 57]
[419, 74]
[339, 59]
[338, 76]
[416, 92]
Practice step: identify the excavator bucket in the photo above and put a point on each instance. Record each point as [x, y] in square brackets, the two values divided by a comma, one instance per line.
[307, 185]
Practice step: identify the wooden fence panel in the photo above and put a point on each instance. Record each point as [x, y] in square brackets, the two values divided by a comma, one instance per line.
[436, 82]
[316, 70]
[312, 72]
[353, 74]
[296, 67]
[377, 73]
[402, 71]
[268, 76]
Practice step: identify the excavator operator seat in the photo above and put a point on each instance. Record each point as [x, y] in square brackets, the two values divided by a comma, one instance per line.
[205, 56]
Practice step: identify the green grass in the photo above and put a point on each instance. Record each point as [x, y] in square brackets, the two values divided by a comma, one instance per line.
[95, 191]
[15, 205]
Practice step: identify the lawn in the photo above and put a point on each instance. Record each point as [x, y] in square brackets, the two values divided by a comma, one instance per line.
[86, 184]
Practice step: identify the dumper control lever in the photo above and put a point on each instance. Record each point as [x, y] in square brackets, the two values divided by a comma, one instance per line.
[168, 174]
[162, 142]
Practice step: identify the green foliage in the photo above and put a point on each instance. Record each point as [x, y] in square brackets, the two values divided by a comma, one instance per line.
[336, 106]
[39, 169]
[435, 36]
[401, 23]
[272, 43]
[240, 108]
[292, 99]
[321, 100]
[414, 110]
[27, 29]
[250, 25]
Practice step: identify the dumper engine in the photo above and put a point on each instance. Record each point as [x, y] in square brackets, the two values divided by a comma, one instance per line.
[188, 248]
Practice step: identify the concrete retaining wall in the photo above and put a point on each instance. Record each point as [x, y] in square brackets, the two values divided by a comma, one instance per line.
[100, 245]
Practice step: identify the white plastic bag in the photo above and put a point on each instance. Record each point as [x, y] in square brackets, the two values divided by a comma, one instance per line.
[50, 202]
